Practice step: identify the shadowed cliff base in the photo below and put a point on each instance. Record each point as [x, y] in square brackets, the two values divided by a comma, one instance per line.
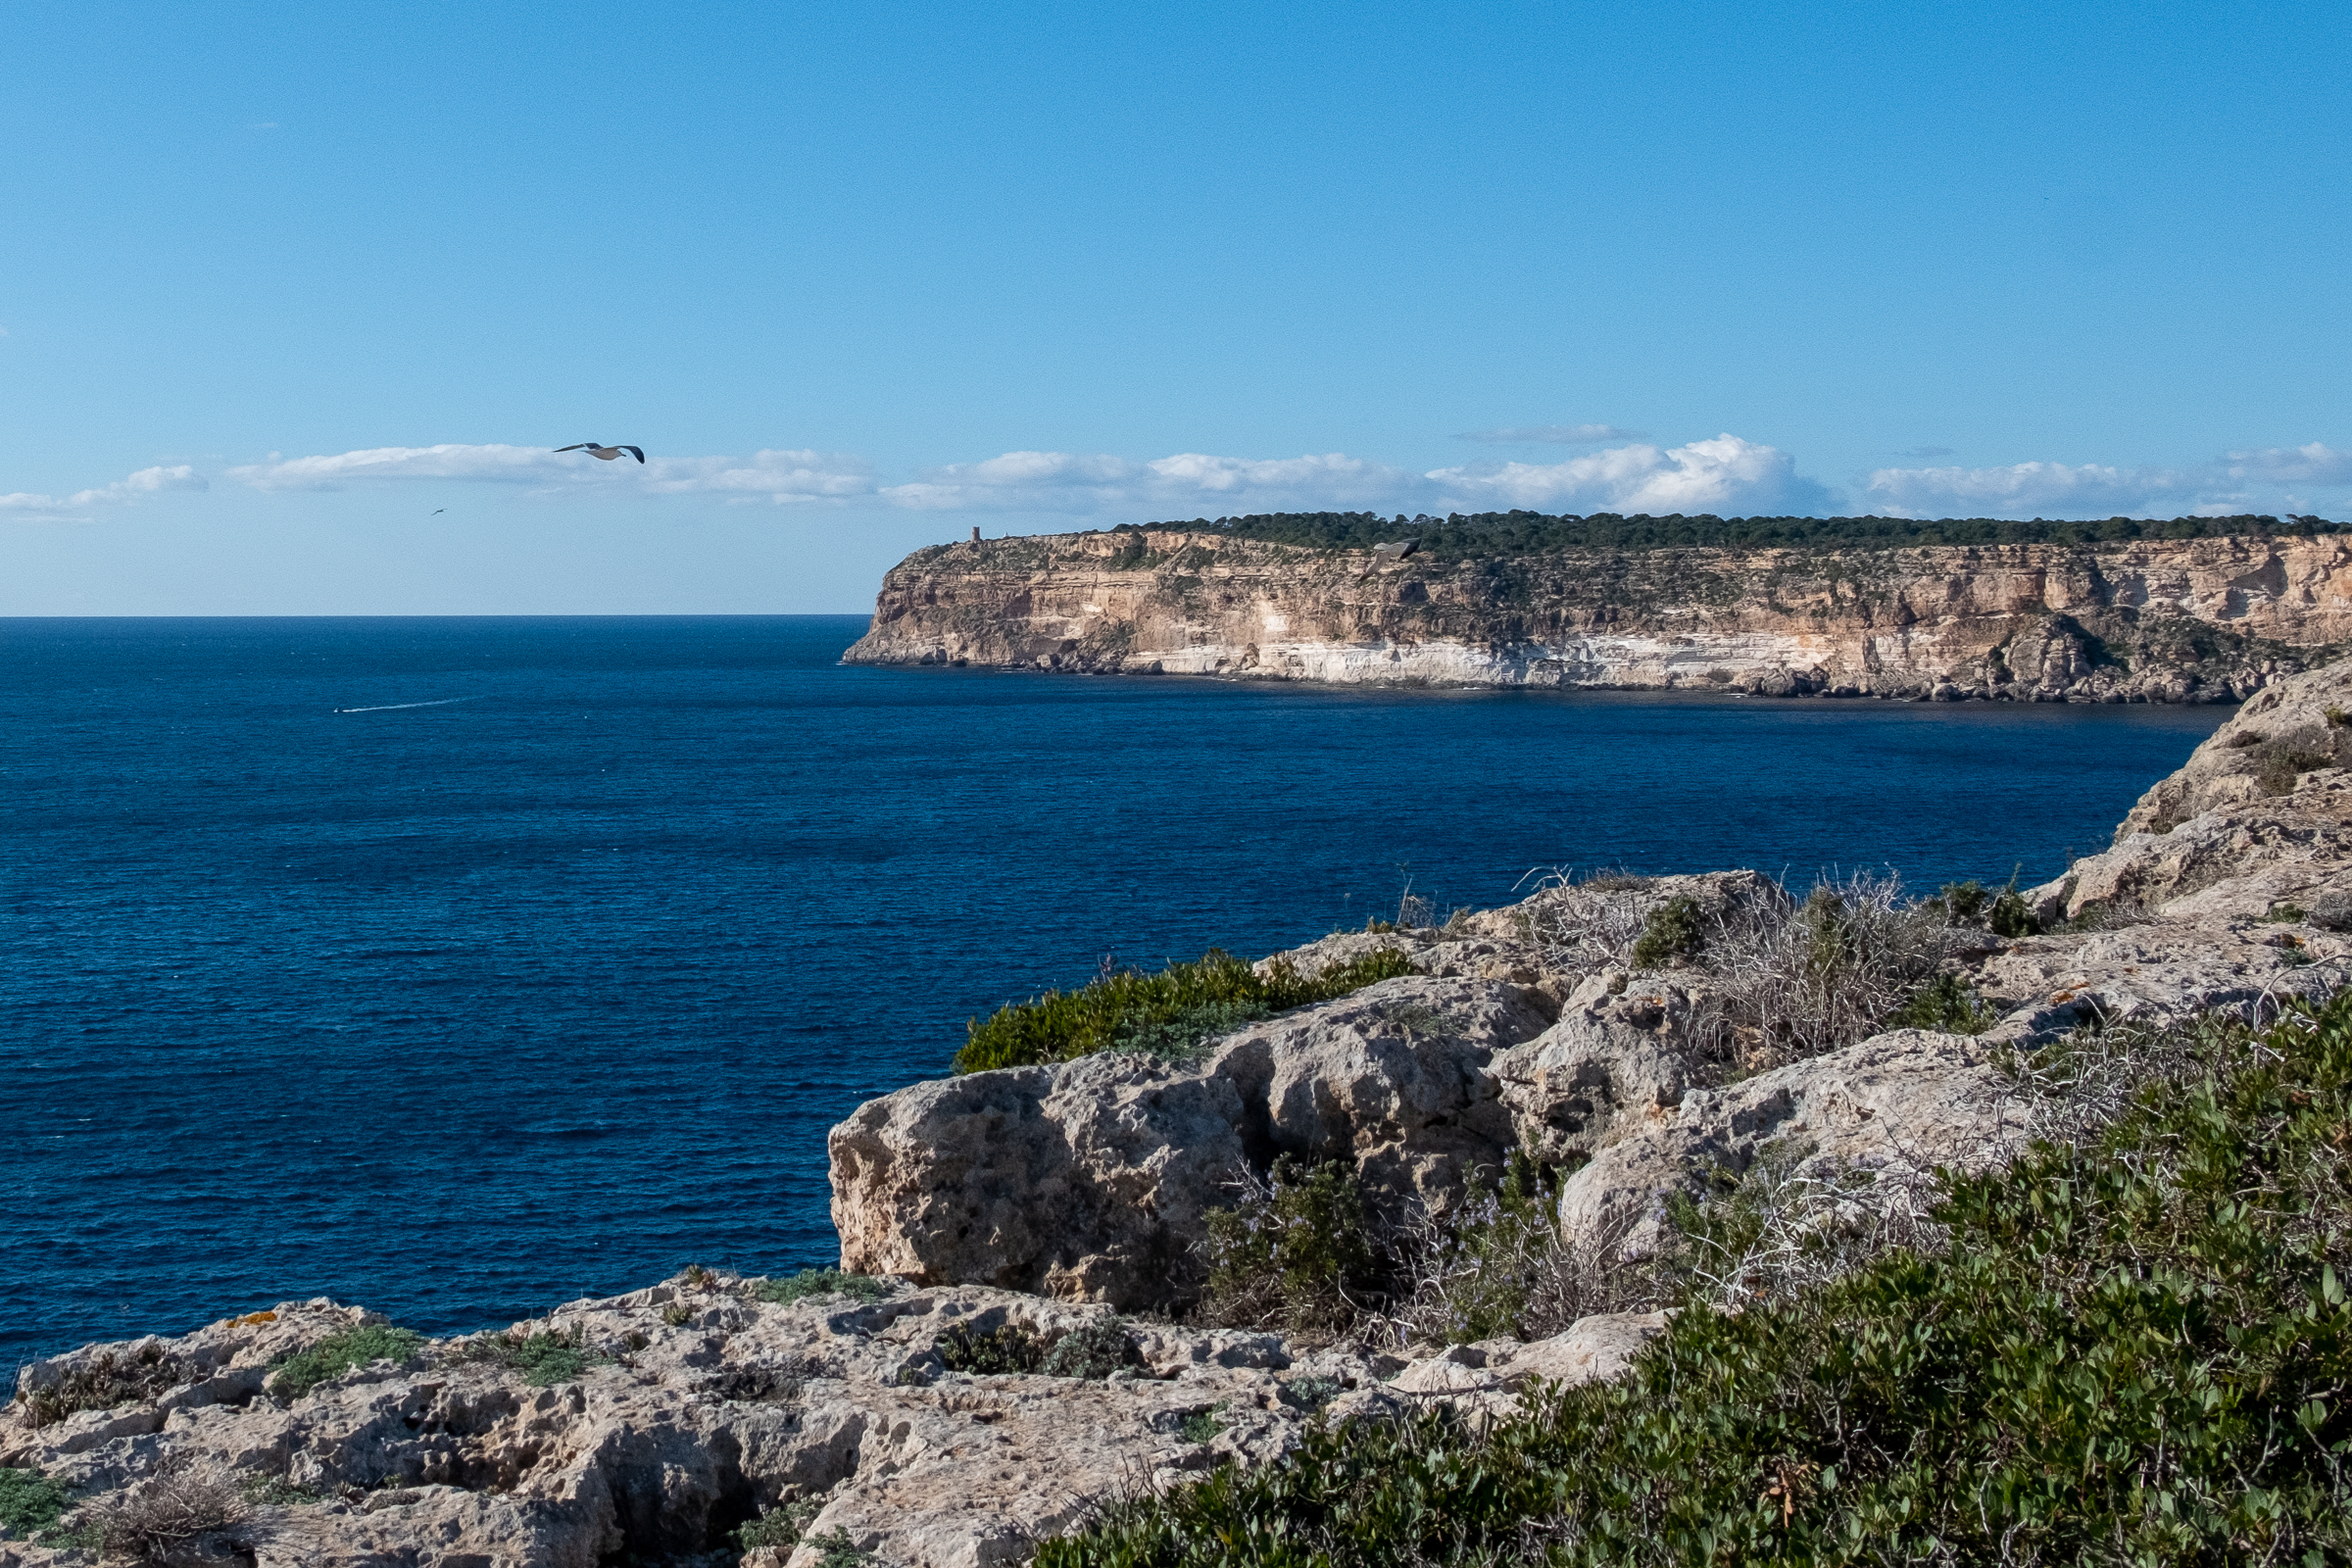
[2191, 610]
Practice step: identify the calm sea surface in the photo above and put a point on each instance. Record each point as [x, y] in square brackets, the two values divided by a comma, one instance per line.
[460, 1010]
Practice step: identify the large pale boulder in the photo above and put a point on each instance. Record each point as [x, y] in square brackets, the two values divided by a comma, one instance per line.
[1091, 1180]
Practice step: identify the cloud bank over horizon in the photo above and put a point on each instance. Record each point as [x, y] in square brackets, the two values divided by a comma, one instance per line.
[1725, 474]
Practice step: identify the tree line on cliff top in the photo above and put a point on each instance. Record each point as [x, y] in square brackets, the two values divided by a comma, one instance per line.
[1459, 536]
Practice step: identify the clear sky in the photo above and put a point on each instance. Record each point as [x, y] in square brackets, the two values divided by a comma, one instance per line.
[280, 283]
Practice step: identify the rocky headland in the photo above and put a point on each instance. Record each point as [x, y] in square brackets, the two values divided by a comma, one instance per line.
[2206, 619]
[1023, 1323]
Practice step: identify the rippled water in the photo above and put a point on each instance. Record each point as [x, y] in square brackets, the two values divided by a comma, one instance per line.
[552, 987]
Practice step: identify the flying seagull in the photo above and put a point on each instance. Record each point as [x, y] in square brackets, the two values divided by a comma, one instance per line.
[1390, 554]
[597, 448]
[437, 511]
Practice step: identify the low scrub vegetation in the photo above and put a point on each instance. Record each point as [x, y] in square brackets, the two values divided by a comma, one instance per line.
[1170, 1012]
[167, 1517]
[545, 1358]
[30, 1502]
[813, 1282]
[298, 1374]
[109, 1379]
[1296, 1253]
[2132, 1344]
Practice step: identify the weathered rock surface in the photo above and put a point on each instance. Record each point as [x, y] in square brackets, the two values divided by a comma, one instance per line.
[702, 1409]
[1897, 1104]
[1090, 1179]
[2186, 620]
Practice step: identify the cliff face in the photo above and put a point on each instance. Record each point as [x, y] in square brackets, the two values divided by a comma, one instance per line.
[2185, 620]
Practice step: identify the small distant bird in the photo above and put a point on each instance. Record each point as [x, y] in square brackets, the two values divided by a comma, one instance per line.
[597, 448]
[437, 511]
[1390, 554]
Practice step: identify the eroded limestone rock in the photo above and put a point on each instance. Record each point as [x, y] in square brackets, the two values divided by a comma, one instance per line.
[703, 1409]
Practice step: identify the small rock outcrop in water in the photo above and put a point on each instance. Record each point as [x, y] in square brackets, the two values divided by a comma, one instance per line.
[2139, 620]
[940, 1420]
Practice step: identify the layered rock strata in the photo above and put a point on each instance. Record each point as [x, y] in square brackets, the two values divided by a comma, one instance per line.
[2186, 620]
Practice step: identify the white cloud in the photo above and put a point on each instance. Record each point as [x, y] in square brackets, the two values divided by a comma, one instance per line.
[779, 476]
[1190, 481]
[146, 482]
[2314, 464]
[1725, 475]
[1554, 435]
[2037, 488]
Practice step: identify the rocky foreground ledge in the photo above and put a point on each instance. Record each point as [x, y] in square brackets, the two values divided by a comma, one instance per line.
[969, 1386]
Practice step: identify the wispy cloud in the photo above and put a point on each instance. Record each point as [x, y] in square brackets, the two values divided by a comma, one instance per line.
[1726, 475]
[772, 475]
[1916, 453]
[1554, 435]
[2313, 464]
[29, 506]
[1066, 481]
[2271, 479]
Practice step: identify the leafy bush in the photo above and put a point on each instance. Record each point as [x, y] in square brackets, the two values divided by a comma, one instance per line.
[1964, 902]
[1168, 1011]
[1006, 1348]
[546, 1359]
[1093, 1350]
[1945, 1003]
[1672, 931]
[1484, 1270]
[779, 1527]
[298, 1374]
[837, 1551]
[29, 1501]
[810, 1281]
[2134, 1349]
[1202, 1426]
[1296, 1251]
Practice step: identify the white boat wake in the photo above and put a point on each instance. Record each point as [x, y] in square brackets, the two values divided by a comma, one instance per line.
[387, 707]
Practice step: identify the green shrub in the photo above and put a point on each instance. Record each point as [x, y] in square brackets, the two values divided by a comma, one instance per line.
[810, 1281]
[837, 1551]
[546, 1359]
[1964, 902]
[1947, 1004]
[296, 1375]
[29, 1501]
[991, 1353]
[1673, 930]
[2135, 1350]
[1202, 1426]
[1168, 1011]
[1093, 1350]
[1294, 1251]
[779, 1527]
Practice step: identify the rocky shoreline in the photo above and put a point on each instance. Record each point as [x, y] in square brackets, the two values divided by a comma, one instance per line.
[1013, 1336]
[2197, 620]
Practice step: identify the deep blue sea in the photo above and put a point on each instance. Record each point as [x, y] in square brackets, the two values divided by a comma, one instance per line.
[462, 1010]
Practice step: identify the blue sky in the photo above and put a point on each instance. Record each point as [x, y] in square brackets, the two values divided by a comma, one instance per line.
[278, 283]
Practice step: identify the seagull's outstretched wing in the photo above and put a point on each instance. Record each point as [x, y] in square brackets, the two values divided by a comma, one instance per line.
[635, 452]
[581, 446]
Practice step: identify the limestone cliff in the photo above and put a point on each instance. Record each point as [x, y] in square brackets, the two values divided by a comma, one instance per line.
[2152, 620]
